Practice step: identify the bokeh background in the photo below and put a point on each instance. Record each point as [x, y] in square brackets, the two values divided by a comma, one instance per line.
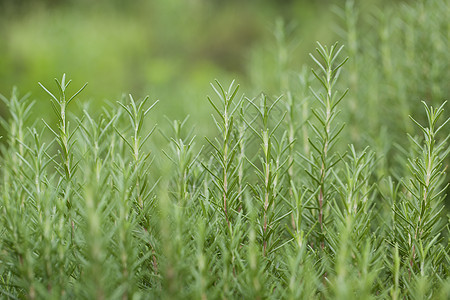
[172, 49]
[168, 49]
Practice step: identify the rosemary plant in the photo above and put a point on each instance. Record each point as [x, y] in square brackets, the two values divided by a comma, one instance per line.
[419, 226]
[269, 208]
[322, 159]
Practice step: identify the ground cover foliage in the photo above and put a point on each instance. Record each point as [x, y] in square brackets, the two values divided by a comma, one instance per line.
[286, 201]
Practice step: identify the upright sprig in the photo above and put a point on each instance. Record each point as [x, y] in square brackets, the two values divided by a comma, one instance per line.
[184, 159]
[137, 112]
[20, 110]
[133, 181]
[420, 226]
[65, 138]
[274, 165]
[180, 208]
[95, 134]
[226, 149]
[354, 208]
[354, 247]
[63, 135]
[326, 132]
[354, 185]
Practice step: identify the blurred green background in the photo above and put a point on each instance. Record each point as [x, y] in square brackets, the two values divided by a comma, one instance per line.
[171, 50]
[168, 49]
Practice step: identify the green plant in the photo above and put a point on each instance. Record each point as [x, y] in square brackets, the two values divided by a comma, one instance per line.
[269, 208]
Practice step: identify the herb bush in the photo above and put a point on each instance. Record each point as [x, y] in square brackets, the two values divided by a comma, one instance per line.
[279, 204]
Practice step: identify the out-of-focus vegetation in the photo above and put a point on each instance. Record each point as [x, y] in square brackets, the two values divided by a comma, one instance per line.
[169, 49]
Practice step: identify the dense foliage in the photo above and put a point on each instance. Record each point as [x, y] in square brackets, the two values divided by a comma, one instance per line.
[285, 201]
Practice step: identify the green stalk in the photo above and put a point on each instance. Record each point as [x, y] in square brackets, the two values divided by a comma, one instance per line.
[326, 131]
